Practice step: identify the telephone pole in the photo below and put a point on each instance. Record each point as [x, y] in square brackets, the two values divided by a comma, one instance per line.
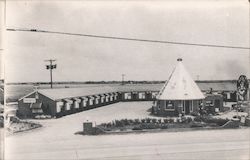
[50, 66]
[123, 75]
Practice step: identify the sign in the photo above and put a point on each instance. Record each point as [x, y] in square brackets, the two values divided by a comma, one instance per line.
[242, 87]
[29, 100]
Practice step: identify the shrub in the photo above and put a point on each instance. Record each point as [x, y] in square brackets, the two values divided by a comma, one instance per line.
[194, 114]
[119, 123]
[149, 126]
[171, 120]
[165, 120]
[148, 120]
[143, 120]
[109, 125]
[198, 119]
[131, 121]
[125, 122]
[186, 119]
[159, 120]
[154, 120]
[164, 127]
[136, 121]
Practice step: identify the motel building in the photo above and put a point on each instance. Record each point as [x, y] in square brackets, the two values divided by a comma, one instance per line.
[59, 102]
[179, 95]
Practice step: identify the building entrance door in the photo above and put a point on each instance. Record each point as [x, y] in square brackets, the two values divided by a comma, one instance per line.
[217, 104]
[187, 107]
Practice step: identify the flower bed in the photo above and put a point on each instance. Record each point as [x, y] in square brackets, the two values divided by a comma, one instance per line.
[17, 125]
[166, 123]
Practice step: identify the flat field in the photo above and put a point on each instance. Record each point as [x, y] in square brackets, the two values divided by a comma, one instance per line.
[56, 140]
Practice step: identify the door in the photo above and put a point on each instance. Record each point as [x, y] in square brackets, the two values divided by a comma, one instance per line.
[217, 104]
[187, 107]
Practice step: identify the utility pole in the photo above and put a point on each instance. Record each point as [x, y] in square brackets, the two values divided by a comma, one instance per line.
[51, 66]
[123, 75]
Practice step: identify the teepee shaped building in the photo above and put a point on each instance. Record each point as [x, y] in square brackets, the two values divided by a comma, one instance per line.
[179, 95]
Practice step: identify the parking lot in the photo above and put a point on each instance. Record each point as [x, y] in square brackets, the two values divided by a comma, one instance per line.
[56, 140]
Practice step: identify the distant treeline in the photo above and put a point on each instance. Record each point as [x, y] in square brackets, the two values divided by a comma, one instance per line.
[87, 82]
[114, 82]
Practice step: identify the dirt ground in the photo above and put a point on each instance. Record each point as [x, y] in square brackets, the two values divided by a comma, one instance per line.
[56, 140]
[1, 143]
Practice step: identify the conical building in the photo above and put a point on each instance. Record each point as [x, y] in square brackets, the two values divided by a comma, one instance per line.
[179, 95]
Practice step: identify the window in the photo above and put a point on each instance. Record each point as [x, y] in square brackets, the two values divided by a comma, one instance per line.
[111, 97]
[91, 101]
[209, 103]
[59, 106]
[169, 105]
[127, 96]
[76, 104]
[191, 105]
[84, 103]
[142, 95]
[154, 94]
[107, 98]
[102, 99]
[96, 100]
[68, 106]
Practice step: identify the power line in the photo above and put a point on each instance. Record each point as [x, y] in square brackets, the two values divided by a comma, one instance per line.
[129, 39]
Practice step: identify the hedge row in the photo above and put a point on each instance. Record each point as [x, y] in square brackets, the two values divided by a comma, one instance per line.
[129, 122]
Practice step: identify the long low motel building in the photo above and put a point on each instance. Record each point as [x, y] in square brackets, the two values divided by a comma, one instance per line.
[64, 101]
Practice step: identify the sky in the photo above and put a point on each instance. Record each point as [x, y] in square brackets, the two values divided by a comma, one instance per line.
[92, 59]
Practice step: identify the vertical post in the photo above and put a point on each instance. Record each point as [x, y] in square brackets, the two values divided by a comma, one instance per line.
[51, 66]
[51, 84]
[123, 75]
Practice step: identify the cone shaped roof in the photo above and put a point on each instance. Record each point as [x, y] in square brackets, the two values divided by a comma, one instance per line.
[180, 86]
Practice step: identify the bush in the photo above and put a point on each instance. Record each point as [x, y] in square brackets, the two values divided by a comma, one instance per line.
[148, 120]
[143, 120]
[125, 122]
[186, 120]
[164, 127]
[109, 125]
[154, 120]
[165, 120]
[131, 121]
[136, 121]
[198, 119]
[195, 114]
[171, 120]
[149, 126]
[119, 123]
[159, 120]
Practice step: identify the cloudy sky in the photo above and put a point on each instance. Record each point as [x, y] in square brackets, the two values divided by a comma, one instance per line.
[85, 58]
